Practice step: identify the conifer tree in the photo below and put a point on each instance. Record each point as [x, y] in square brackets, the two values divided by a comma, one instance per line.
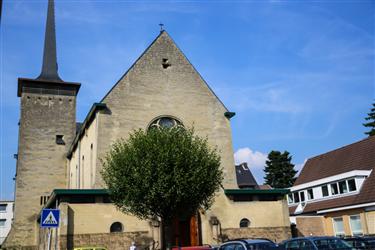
[371, 121]
[279, 170]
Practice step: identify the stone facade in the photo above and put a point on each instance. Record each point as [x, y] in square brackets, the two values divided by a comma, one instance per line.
[277, 234]
[111, 241]
[310, 225]
[41, 164]
[162, 82]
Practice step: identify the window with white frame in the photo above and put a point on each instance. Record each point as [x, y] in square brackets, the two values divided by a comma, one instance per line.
[327, 190]
[351, 185]
[2, 222]
[338, 226]
[3, 207]
[355, 225]
[310, 194]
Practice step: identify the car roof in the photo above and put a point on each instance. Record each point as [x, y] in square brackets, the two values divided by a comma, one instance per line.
[311, 238]
[250, 241]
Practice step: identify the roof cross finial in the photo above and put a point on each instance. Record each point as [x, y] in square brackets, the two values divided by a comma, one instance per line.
[161, 27]
[49, 68]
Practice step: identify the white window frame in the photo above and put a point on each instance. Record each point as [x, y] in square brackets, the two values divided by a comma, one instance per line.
[334, 229]
[350, 224]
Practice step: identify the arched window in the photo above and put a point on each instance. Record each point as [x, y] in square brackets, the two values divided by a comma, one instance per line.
[116, 227]
[244, 223]
[165, 122]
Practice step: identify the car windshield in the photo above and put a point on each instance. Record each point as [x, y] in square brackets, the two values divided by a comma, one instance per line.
[261, 246]
[324, 244]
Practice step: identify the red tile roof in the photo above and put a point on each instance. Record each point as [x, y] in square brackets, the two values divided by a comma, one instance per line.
[357, 156]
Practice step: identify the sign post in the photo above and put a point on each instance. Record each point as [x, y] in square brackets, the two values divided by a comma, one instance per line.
[50, 219]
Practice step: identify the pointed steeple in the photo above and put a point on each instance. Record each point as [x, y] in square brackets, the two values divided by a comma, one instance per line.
[49, 68]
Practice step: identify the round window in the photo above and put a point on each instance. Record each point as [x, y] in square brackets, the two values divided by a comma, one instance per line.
[165, 122]
[244, 223]
[116, 227]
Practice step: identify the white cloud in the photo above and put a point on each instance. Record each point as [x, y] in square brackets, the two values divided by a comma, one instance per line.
[254, 159]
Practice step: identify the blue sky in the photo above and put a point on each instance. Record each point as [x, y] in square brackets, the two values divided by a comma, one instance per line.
[298, 74]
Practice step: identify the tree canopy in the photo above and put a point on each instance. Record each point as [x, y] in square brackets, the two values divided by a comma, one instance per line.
[279, 170]
[371, 121]
[164, 172]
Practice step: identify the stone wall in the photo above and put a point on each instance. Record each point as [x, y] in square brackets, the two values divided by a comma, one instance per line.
[276, 234]
[41, 164]
[310, 226]
[111, 241]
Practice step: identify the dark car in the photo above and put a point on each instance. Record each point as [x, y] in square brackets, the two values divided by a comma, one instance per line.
[367, 243]
[315, 243]
[248, 244]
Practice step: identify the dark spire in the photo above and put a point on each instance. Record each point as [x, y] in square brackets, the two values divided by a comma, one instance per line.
[49, 68]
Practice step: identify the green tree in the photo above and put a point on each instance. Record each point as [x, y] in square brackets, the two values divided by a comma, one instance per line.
[371, 121]
[279, 170]
[164, 173]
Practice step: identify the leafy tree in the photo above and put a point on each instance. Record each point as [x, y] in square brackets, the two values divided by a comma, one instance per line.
[371, 123]
[165, 173]
[279, 170]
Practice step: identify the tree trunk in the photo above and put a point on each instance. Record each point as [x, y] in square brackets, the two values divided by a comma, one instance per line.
[167, 234]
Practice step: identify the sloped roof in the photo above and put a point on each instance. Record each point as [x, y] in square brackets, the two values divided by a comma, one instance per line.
[357, 156]
[245, 178]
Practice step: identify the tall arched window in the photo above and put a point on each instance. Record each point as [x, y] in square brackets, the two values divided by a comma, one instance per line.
[116, 227]
[244, 223]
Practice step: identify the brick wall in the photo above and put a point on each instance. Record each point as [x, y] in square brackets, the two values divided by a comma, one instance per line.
[276, 234]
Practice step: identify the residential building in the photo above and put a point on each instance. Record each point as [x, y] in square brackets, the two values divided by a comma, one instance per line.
[335, 192]
[6, 217]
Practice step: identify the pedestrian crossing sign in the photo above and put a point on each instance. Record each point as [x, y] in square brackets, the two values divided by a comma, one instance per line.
[50, 218]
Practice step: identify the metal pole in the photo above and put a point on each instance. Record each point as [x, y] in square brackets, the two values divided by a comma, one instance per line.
[56, 229]
[49, 239]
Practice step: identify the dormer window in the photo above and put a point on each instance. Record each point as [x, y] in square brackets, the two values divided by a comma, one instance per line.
[344, 184]
[343, 187]
[351, 185]
[334, 189]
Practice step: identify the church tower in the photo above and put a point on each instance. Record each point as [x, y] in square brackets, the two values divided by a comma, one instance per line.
[46, 130]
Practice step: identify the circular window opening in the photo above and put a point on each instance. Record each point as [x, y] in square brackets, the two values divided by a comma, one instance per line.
[244, 223]
[116, 227]
[165, 122]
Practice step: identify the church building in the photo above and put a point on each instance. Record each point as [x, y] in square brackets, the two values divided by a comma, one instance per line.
[59, 163]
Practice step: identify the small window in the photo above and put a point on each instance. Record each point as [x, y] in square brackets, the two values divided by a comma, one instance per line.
[355, 225]
[343, 187]
[60, 140]
[244, 223]
[116, 227]
[296, 197]
[302, 195]
[290, 198]
[2, 222]
[338, 226]
[310, 194]
[325, 190]
[165, 122]
[351, 185]
[334, 189]
[3, 207]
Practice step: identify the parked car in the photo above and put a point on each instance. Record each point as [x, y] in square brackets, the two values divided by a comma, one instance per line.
[205, 247]
[361, 242]
[315, 243]
[248, 244]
